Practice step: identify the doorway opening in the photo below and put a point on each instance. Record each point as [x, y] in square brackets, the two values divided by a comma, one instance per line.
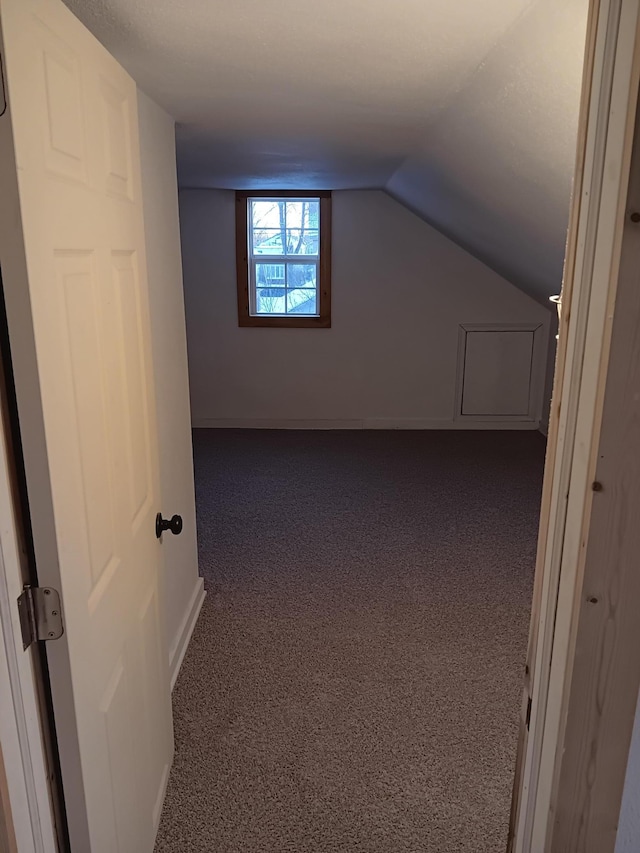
[332, 561]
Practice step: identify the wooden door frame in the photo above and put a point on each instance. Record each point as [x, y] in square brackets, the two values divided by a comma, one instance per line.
[610, 87]
[600, 694]
[27, 789]
[27, 795]
[8, 841]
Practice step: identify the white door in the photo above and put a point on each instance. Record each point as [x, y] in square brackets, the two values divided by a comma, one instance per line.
[82, 359]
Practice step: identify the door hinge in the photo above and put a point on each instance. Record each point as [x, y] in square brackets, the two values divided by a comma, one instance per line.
[527, 719]
[40, 614]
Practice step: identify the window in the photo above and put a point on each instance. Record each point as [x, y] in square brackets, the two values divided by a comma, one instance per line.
[283, 248]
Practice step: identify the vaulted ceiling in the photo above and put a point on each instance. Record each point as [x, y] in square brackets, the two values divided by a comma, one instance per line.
[465, 111]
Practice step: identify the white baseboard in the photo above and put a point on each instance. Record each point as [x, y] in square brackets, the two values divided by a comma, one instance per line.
[180, 644]
[157, 809]
[356, 423]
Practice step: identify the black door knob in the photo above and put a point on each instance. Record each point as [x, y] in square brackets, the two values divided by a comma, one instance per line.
[174, 524]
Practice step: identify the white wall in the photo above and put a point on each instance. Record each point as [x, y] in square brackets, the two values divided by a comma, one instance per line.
[183, 588]
[400, 291]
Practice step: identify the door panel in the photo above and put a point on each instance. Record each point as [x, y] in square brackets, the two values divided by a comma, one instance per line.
[94, 464]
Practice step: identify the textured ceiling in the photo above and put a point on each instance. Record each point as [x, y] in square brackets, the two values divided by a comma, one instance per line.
[464, 110]
[331, 93]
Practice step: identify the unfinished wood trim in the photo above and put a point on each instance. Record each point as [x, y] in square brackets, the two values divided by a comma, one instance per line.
[521, 785]
[605, 274]
[605, 674]
[245, 318]
[284, 193]
[325, 260]
[601, 179]
[242, 257]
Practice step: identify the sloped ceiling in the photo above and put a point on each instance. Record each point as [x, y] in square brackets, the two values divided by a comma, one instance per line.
[494, 170]
[466, 111]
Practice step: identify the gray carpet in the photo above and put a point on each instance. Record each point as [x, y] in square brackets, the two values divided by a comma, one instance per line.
[353, 682]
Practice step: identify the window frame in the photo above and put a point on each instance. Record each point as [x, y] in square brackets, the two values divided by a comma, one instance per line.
[290, 321]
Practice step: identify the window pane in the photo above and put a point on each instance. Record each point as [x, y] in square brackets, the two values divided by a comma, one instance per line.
[270, 213]
[270, 275]
[269, 302]
[313, 214]
[282, 227]
[302, 301]
[267, 241]
[303, 214]
[302, 242]
[301, 276]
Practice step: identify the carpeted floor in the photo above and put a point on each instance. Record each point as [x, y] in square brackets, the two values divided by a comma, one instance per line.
[353, 682]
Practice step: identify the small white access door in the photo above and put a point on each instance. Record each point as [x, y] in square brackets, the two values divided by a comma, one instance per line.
[75, 283]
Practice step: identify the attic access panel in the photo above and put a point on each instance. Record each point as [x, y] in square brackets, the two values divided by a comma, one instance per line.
[498, 372]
